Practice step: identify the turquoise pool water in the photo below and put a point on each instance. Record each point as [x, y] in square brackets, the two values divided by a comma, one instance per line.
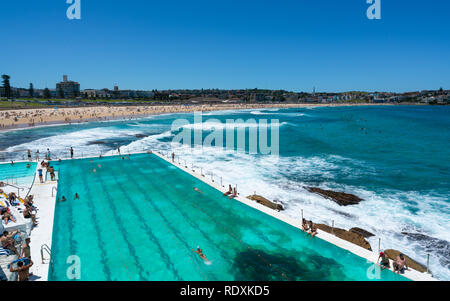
[139, 219]
[18, 173]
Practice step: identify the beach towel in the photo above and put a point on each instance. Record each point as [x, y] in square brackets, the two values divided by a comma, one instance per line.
[4, 252]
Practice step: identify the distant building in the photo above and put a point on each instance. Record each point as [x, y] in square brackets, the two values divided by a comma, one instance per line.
[70, 88]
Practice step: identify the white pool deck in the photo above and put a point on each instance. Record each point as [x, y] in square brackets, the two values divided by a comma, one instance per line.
[42, 235]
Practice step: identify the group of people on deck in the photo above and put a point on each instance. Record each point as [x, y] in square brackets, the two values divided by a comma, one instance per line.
[28, 211]
[399, 265]
[8, 242]
[309, 227]
[232, 192]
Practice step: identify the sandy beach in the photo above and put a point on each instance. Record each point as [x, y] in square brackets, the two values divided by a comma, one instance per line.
[12, 119]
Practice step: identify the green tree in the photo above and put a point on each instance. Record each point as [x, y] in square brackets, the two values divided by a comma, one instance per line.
[31, 90]
[6, 85]
[47, 93]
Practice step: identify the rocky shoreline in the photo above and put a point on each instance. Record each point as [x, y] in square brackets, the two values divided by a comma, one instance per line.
[341, 198]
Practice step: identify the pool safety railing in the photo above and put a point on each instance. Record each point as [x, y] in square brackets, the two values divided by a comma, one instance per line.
[17, 187]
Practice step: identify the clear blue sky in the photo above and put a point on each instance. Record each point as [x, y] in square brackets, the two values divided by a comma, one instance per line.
[290, 44]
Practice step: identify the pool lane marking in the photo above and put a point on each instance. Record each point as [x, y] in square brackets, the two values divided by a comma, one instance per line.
[166, 223]
[120, 226]
[100, 241]
[248, 246]
[185, 176]
[188, 219]
[115, 239]
[254, 251]
[172, 232]
[153, 238]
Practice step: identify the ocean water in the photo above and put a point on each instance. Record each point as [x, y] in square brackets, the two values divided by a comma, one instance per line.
[140, 219]
[394, 157]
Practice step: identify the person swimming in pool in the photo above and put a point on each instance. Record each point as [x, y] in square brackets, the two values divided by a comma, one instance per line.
[198, 190]
[200, 253]
[77, 197]
[63, 199]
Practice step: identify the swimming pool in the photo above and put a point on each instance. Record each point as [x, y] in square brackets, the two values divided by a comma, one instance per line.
[18, 173]
[140, 219]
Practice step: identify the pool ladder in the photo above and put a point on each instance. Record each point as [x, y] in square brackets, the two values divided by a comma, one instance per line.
[45, 248]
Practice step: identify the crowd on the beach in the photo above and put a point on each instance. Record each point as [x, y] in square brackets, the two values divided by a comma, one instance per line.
[33, 117]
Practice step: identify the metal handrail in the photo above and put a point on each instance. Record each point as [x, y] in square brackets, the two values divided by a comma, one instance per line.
[45, 248]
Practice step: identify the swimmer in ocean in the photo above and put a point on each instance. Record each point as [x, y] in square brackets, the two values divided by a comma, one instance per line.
[200, 253]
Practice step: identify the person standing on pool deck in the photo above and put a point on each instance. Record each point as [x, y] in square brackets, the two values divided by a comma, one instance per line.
[173, 157]
[26, 249]
[48, 154]
[29, 155]
[40, 175]
[37, 155]
[230, 190]
[118, 149]
[71, 153]
[22, 270]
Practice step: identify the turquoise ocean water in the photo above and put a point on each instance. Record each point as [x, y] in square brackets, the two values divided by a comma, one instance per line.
[394, 157]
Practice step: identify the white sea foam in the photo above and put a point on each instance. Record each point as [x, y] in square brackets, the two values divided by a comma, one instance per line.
[80, 140]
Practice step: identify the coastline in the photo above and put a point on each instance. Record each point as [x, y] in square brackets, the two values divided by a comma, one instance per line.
[34, 118]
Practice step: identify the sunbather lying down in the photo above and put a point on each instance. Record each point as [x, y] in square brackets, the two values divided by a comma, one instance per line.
[7, 241]
[7, 216]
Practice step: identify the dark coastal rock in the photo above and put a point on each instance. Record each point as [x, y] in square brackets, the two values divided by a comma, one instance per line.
[140, 136]
[342, 198]
[363, 232]
[348, 215]
[392, 254]
[350, 236]
[432, 245]
[95, 142]
[263, 201]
